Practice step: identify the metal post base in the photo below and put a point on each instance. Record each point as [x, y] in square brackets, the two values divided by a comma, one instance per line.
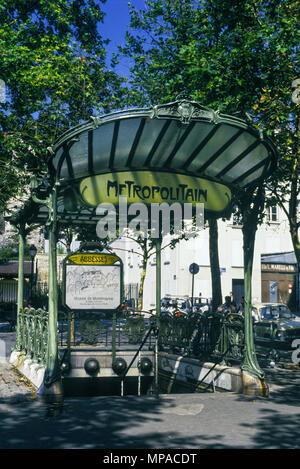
[53, 393]
[253, 385]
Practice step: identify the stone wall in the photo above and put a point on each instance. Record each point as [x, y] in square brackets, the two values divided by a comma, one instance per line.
[178, 374]
[42, 266]
[183, 374]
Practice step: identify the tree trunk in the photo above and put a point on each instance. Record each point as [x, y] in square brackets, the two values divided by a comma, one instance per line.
[293, 207]
[214, 264]
[296, 242]
[251, 210]
[141, 287]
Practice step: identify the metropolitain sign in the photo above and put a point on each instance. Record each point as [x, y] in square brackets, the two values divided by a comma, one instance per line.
[155, 187]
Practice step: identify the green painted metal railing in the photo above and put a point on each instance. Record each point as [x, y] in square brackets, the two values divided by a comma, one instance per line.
[231, 341]
[207, 336]
[82, 329]
[32, 334]
[202, 336]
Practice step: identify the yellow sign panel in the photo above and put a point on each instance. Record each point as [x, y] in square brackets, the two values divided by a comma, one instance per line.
[154, 187]
[94, 259]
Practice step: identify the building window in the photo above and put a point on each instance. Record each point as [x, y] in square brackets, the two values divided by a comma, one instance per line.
[272, 213]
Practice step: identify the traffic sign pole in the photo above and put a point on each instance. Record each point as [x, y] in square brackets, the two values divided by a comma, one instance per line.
[193, 289]
[194, 269]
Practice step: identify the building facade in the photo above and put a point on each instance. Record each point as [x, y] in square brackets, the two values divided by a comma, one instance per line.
[272, 236]
[280, 279]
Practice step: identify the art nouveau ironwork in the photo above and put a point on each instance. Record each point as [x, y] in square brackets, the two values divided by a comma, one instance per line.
[180, 138]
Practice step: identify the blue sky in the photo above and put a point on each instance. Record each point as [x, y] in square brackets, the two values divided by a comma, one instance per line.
[115, 24]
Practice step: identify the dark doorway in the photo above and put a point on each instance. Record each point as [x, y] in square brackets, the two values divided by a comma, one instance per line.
[238, 289]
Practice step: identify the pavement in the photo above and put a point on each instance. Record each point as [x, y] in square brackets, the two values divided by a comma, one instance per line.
[14, 387]
[206, 420]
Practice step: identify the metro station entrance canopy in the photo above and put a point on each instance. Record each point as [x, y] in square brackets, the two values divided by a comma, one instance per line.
[172, 140]
[179, 151]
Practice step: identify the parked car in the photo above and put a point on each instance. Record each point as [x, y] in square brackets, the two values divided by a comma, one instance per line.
[275, 323]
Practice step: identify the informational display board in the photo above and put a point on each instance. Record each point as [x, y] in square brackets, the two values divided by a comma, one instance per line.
[91, 286]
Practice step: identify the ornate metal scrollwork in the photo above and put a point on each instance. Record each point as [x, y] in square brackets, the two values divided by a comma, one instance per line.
[185, 109]
[90, 329]
[213, 335]
[135, 328]
[34, 334]
[230, 343]
[236, 336]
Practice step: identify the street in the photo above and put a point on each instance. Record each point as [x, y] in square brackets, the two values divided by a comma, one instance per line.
[218, 420]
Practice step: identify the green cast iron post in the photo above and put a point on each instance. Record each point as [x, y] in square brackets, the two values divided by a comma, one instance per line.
[158, 308]
[158, 276]
[250, 362]
[113, 339]
[19, 333]
[53, 374]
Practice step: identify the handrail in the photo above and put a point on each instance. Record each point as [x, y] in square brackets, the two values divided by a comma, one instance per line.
[152, 328]
[138, 311]
[213, 367]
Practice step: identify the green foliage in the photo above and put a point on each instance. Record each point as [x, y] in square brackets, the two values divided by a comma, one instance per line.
[239, 57]
[52, 60]
[224, 54]
[8, 253]
[11, 252]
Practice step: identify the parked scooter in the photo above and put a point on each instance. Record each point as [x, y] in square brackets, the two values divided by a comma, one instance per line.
[171, 308]
[182, 307]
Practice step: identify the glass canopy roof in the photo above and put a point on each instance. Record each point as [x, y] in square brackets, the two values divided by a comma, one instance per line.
[181, 137]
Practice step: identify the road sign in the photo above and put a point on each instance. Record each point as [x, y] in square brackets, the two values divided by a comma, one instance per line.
[194, 268]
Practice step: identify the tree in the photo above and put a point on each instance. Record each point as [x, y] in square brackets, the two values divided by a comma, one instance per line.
[214, 264]
[238, 57]
[52, 61]
[156, 43]
[252, 207]
[147, 249]
[284, 185]
[145, 252]
[276, 105]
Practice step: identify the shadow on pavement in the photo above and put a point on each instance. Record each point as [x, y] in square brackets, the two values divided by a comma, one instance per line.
[98, 423]
[284, 386]
[276, 430]
[206, 421]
